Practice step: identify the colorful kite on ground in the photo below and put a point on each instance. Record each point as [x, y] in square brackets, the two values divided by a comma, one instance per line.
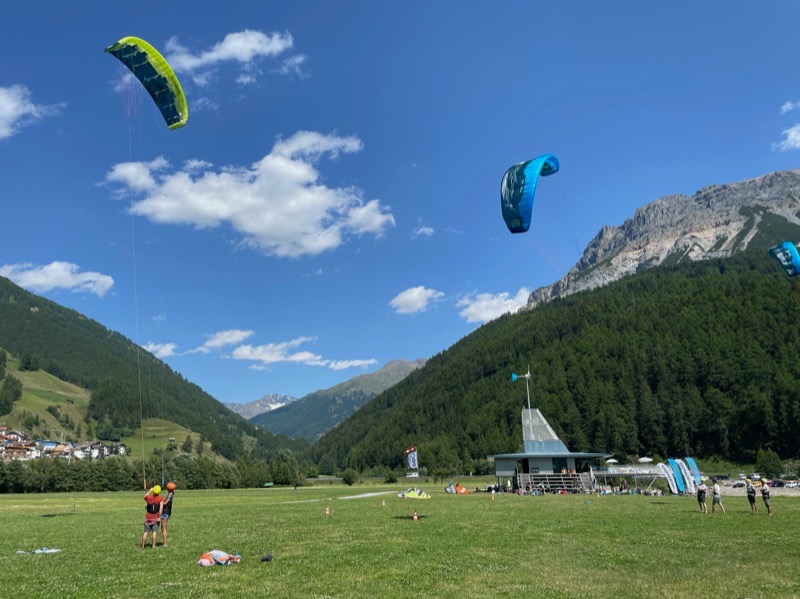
[518, 187]
[149, 67]
[217, 557]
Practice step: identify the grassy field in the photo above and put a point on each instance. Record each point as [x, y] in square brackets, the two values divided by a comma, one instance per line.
[157, 433]
[465, 546]
[41, 390]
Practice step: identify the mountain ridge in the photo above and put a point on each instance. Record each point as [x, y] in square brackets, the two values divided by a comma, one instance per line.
[267, 403]
[715, 222]
[315, 413]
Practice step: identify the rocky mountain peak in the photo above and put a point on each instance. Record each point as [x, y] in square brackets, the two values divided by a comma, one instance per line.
[717, 221]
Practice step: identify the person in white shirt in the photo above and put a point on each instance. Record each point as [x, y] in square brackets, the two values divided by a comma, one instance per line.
[717, 500]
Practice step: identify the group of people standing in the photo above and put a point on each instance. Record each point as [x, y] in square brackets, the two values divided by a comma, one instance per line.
[158, 509]
[716, 501]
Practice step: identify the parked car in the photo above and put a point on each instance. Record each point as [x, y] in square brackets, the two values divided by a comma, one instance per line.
[738, 484]
[791, 484]
[755, 476]
[777, 483]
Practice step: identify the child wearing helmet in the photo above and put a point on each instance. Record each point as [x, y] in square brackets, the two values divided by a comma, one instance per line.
[154, 504]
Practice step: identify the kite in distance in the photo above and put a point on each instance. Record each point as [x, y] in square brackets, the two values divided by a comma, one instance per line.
[786, 253]
[518, 187]
[157, 77]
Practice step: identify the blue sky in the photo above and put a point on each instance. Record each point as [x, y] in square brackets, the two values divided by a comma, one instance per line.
[333, 202]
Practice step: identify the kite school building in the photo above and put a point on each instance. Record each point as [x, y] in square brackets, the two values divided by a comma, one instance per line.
[546, 463]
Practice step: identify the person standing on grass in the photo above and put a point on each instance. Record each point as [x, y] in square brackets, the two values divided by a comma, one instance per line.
[717, 499]
[701, 497]
[765, 496]
[166, 512]
[751, 496]
[154, 502]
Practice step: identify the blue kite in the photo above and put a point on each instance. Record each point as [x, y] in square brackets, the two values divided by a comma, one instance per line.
[518, 187]
[786, 253]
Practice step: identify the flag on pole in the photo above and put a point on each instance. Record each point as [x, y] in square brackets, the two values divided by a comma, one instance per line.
[411, 454]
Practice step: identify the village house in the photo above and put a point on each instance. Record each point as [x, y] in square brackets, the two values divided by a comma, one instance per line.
[21, 450]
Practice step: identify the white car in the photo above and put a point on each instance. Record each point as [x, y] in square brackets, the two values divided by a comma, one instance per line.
[791, 484]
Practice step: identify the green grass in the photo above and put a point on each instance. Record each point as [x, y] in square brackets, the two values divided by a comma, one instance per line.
[157, 433]
[40, 390]
[465, 546]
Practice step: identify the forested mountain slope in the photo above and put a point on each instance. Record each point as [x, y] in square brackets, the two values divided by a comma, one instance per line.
[82, 351]
[692, 359]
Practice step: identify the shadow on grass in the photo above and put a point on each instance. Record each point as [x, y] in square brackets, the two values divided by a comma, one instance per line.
[62, 514]
[419, 517]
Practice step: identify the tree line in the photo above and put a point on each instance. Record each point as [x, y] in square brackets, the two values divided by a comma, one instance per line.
[188, 471]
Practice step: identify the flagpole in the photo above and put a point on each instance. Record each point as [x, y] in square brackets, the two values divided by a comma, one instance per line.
[527, 377]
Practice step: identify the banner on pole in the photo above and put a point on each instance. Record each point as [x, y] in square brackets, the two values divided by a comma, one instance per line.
[411, 454]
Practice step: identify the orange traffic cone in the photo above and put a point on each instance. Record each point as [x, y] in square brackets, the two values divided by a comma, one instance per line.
[416, 518]
[327, 511]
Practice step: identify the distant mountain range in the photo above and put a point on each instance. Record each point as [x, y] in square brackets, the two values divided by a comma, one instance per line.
[318, 412]
[267, 403]
[715, 222]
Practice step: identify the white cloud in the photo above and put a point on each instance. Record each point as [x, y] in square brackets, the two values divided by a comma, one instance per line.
[139, 177]
[275, 353]
[293, 66]
[245, 79]
[222, 339]
[483, 307]
[195, 166]
[244, 47]
[17, 110]
[788, 106]
[205, 104]
[791, 139]
[422, 230]
[344, 364]
[57, 275]
[159, 318]
[278, 205]
[415, 299]
[161, 350]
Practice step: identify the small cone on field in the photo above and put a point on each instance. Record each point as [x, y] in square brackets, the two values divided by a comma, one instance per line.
[383, 503]
[327, 511]
[416, 518]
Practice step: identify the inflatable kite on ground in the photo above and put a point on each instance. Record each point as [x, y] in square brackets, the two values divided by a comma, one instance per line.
[666, 471]
[413, 493]
[457, 489]
[786, 253]
[215, 557]
[518, 187]
[149, 67]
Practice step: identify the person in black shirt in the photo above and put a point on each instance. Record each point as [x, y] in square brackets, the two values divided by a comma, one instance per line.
[166, 511]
